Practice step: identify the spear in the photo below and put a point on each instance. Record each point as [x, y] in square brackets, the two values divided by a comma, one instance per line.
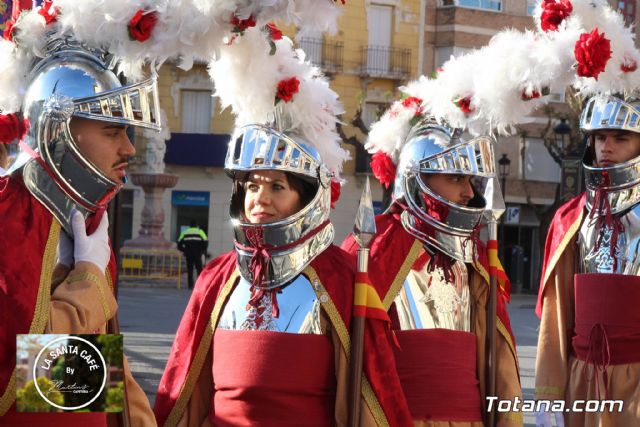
[493, 211]
[363, 231]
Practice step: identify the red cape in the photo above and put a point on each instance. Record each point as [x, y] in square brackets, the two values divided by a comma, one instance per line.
[193, 339]
[392, 254]
[28, 244]
[564, 226]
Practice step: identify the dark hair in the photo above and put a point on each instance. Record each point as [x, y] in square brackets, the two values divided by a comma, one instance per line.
[192, 223]
[305, 189]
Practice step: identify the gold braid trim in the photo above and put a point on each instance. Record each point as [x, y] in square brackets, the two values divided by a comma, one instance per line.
[413, 255]
[329, 308]
[41, 312]
[201, 354]
[107, 275]
[549, 392]
[373, 404]
[563, 245]
[338, 324]
[87, 276]
[499, 324]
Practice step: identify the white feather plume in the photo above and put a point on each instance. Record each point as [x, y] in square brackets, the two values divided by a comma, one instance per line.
[246, 78]
[185, 29]
[389, 134]
[506, 80]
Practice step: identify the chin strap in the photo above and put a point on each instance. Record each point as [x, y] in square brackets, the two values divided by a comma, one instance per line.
[261, 258]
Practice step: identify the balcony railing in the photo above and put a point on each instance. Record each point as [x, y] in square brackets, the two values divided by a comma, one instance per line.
[323, 54]
[385, 62]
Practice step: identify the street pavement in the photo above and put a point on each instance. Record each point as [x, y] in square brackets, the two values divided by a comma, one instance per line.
[149, 318]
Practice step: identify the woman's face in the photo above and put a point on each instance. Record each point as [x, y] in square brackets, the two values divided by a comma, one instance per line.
[269, 197]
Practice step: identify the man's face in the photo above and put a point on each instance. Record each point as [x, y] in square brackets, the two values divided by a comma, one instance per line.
[457, 189]
[615, 146]
[104, 144]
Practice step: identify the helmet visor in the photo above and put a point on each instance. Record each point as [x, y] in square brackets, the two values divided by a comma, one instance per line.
[136, 105]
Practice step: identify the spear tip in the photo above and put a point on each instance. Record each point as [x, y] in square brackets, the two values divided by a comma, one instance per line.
[365, 225]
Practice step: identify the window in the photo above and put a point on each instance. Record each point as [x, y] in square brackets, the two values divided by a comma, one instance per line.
[196, 111]
[538, 163]
[628, 10]
[476, 4]
[531, 7]
[443, 54]
[312, 46]
[379, 21]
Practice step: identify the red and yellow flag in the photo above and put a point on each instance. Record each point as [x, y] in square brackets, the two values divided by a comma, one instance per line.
[496, 269]
[366, 301]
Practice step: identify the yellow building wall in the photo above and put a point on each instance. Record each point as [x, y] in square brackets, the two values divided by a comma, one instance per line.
[349, 84]
[171, 80]
[353, 34]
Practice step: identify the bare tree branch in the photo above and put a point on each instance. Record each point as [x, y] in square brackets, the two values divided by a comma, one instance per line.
[358, 122]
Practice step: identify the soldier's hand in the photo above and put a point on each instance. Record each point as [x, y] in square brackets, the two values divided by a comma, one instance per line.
[94, 248]
[65, 250]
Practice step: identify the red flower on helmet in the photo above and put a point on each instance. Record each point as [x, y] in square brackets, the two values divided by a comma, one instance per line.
[335, 193]
[592, 51]
[48, 12]
[273, 31]
[8, 30]
[142, 24]
[533, 94]
[383, 168]
[413, 102]
[12, 127]
[553, 13]
[529, 96]
[240, 25]
[287, 88]
[629, 65]
[464, 104]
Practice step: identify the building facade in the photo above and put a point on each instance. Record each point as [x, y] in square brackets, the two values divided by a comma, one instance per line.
[375, 50]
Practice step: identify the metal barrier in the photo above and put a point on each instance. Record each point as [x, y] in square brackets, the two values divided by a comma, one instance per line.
[157, 266]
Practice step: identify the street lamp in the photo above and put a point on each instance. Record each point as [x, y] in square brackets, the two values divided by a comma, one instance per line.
[562, 129]
[503, 168]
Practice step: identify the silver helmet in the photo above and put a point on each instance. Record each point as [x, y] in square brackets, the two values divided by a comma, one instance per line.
[75, 81]
[437, 149]
[619, 181]
[292, 242]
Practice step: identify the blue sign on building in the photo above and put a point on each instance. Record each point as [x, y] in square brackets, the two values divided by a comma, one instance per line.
[190, 198]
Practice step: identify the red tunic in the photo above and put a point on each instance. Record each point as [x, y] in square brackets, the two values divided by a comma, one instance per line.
[392, 254]
[25, 289]
[559, 233]
[198, 324]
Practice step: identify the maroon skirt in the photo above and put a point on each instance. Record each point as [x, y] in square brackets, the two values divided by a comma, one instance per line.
[607, 319]
[437, 369]
[272, 379]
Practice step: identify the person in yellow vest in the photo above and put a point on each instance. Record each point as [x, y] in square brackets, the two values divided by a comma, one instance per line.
[193, 244]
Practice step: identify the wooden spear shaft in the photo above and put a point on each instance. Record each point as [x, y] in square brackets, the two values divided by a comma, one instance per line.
[357, 352]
